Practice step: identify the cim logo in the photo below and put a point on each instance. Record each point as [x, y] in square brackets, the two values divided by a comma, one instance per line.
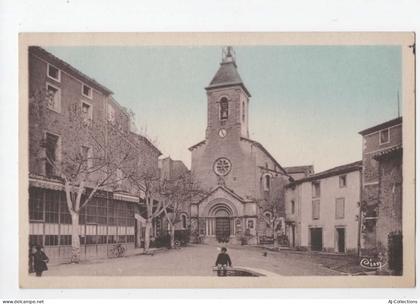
[371, 263]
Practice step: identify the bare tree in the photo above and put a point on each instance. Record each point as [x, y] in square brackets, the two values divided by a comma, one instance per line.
[178, 194]
[272, 207]
[147, 187]
[93, 152]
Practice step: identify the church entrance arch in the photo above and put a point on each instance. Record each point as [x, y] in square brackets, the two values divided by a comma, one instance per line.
[221, 215]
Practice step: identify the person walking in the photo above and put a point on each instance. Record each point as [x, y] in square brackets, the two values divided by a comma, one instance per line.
[40, 261]
[222, 262]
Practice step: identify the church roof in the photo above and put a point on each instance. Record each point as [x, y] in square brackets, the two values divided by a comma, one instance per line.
[264, 150]
[227, 75]
[197, 145]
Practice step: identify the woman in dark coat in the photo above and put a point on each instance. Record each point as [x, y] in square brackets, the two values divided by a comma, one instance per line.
[40, 261]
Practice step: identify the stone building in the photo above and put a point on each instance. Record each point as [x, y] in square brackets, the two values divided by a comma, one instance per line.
[171, 169]
[322, 210]
[382, 186]
[56, 91]
[242, 178]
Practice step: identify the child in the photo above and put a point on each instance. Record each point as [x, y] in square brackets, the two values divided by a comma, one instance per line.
[40, 261]
[223, 260]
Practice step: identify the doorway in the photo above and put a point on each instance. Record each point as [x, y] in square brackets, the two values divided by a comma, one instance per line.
[341, 239]
[222, 229]
[316, 239]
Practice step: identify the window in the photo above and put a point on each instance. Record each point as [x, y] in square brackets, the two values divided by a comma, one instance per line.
[52, 201]
[112, 239]
[267, 182]
[250, 224]
[339, 208]
[87, 157]
[101, 211]
[53, 98]
[342, 181]
[224, 108]
[91, 212]
[87, 91]
[51, 144]
[86, 112]
[65, 240]
[91, 239]
[36, 205]
[292, 207]
[35, 240]
[222, 166]
[316, 189]
[51, 240]
[184, 221]
[111, 113]
[315, 209]
[65, 217]
[53, 73]
[384, 136]
[101, 239]
[122, 239]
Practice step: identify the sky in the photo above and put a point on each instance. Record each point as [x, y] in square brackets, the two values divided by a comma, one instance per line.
[308, 102]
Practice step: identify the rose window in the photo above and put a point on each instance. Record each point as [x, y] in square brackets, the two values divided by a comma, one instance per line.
[222, 166]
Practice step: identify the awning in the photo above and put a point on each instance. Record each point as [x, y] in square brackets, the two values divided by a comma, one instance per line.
[395, 150]
[126, 197]
[45, 184]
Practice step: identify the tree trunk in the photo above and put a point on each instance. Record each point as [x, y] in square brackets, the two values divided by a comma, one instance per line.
[138, 234]
[75, 241]
[172, 236]
[275, 237]
[147, 235]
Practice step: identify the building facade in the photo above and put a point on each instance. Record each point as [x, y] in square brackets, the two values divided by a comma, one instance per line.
[322, 210]
[57, 91]
[382, 186]
[242, 179]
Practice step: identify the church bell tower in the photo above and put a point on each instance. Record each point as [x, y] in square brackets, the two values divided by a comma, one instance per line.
[227, 101]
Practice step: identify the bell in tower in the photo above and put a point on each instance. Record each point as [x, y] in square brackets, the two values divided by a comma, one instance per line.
[228, 100]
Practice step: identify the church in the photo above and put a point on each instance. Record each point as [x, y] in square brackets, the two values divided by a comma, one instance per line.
[243, 182]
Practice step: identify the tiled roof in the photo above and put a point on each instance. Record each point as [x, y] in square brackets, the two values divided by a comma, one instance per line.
[68, 68]
[333, 171]
[196, 145]
[227, 75]
[387, 124]
[299, 169]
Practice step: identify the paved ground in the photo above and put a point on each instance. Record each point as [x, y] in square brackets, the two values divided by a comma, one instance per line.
[198, 260]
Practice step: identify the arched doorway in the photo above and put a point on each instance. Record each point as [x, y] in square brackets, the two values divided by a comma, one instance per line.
[222, 225]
